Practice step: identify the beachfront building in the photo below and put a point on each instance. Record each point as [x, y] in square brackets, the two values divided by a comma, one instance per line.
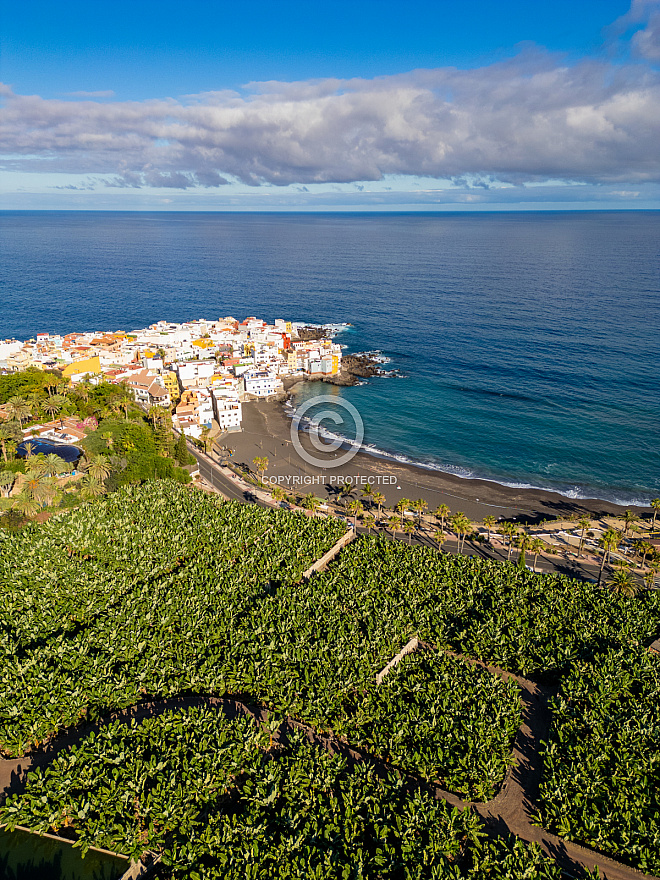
[260, 383]
[228, 412]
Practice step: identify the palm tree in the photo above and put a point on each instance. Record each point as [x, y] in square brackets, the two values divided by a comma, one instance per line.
[154, 414]
[628, 519]
[18, 409]
[379, 499]
[609, 541]
[83, 391]
[109, 438]
[7, 436]
[277, 492]
[655, 504]
[261, 464]
[25, 505]
[91, 487]
[536, 545]
[441, 513]
[489, 522]
[394, 523]
[368, 492]
[356, 508]
[419, 506]
[370, 522]
[409, 528]
[622, 583]
[439, 538]
[29, 448]
[643, 549]
[310, 502]
[461, 525]
[403, 504]
[345, 491]
[98, 467]
[584, 524]
[54, 465]
[508, 531]
[51, 406]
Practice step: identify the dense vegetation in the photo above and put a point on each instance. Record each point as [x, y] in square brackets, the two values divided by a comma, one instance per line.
[161, 590]
[123, 444]
[220, 801]
[534, 625]
[601, 785]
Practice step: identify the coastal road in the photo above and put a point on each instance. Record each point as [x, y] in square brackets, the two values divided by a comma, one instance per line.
[217, 477]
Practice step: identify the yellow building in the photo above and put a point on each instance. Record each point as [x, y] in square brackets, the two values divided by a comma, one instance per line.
[171, 383]
[87, 366]
[335, 364]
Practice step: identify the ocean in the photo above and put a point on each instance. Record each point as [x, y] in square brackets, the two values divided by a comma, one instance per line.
[528, 344]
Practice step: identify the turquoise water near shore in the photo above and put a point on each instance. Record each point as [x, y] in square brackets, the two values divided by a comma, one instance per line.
[529, 343]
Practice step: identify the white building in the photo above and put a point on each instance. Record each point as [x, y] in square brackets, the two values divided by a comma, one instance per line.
[228, 412]
[262, 384]
[195, 374]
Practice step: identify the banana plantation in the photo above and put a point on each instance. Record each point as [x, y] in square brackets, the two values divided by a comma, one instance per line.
[171, 684]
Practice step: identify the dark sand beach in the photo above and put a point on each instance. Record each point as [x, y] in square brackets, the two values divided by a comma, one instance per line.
[267, 432]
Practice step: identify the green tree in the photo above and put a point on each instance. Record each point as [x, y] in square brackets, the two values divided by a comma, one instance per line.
[403, 504]
[394, 524]
[357, 509]
[17, 408]
[98, 467]
[25, 504]
[628, 519]
[441, 513]
[609, 541]
[622, 582]
[278, 493]
[584, 523]
[370, 522]
[379, 500]
[10, 432]
[439, 538]
[536, 546]
[367, 492]
[91, 487]
[655, 504]
[261, 465]
[181, 451]
[310, 502]
[461, 525]
[489, 522]
[409, 528]
[7, 479]
[419, 506]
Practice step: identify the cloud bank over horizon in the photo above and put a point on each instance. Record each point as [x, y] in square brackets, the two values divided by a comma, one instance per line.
[528, 120]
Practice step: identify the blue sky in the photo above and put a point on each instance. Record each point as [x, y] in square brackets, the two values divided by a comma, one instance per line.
[359, 105]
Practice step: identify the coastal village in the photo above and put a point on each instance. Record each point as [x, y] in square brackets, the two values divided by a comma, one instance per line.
[200, 373]
[202, 370]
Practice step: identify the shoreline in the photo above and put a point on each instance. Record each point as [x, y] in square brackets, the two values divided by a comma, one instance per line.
[267, 432]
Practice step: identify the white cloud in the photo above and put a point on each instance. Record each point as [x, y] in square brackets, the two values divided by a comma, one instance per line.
[530, 119]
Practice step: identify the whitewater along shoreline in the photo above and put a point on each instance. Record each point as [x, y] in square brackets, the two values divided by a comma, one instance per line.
[267, 433]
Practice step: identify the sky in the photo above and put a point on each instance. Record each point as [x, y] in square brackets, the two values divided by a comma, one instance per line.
[356, 106]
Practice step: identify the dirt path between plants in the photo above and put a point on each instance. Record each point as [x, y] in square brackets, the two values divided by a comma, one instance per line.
[509, 812]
